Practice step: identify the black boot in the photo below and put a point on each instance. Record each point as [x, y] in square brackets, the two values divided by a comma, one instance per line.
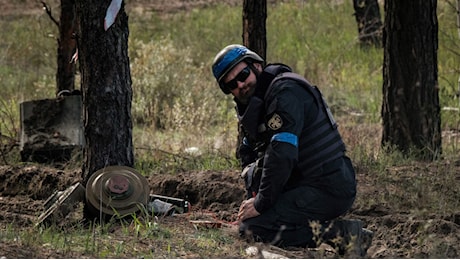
[348, 237]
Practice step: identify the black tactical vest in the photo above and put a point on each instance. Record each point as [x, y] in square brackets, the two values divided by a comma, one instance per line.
[320, 141]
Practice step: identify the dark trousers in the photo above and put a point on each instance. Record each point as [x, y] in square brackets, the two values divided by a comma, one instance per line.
[290, 222]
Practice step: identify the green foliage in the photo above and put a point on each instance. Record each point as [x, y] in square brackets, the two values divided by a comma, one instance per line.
[169, 90]
[27, 57]
[205, 31]
[448, 66]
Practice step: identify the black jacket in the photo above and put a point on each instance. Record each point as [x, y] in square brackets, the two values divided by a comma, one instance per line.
[296, 134]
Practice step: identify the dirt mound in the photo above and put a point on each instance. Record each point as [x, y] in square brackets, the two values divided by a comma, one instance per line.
[36, 182]
[220, 192]
[217, 192]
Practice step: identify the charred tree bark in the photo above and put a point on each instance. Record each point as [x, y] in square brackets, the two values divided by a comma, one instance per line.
[67, 46]
[106, 87]
[367, 14]
[411, 110]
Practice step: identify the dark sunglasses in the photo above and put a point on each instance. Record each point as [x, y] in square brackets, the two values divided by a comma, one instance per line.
[241, 77]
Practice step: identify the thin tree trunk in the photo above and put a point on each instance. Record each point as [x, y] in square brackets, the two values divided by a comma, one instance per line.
[254, 37]
[367, 14]
[254, 28]
[65, 77]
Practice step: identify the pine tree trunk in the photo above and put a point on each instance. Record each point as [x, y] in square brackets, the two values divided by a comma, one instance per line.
[367, 14]
[411, 110]
[106, 87]
[67, 45]
[254, 36]
[254, 28]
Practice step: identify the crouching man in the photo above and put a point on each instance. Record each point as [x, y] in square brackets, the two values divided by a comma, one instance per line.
[295, 167]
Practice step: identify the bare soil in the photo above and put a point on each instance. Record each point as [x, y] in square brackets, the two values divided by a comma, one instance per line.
[217, 195]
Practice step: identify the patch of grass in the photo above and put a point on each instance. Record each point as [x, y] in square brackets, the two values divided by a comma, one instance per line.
[27, 57]
[139, 238]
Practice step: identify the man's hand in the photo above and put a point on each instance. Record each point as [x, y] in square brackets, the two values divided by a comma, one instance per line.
[247, 210]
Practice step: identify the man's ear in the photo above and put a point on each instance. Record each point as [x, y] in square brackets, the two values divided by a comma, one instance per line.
[258, 66]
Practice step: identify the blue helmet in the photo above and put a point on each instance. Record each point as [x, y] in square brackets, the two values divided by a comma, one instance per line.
[227, 58]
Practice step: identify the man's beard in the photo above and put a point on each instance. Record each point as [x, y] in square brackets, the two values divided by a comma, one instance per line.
[245, 99]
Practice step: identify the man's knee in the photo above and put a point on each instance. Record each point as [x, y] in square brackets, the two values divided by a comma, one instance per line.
[281, 235]
[252, 233]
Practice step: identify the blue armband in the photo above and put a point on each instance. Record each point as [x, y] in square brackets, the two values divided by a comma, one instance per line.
[245, 141]
[286, 137]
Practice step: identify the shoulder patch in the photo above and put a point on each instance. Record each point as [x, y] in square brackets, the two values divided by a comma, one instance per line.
[275, 122]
